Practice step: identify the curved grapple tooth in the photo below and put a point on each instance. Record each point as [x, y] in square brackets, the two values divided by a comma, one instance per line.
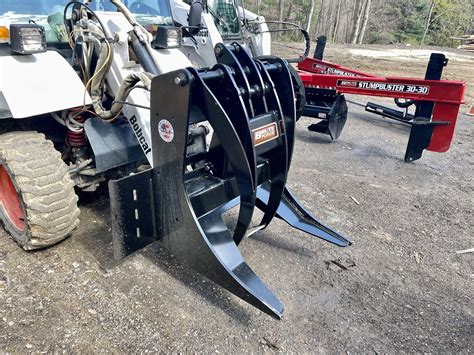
[292, 212]
[222, 262]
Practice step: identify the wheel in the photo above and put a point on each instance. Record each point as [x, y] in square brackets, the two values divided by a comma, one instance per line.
[300, 93]
[38, 204]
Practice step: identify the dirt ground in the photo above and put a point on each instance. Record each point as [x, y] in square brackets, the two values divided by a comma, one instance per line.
[401, 287]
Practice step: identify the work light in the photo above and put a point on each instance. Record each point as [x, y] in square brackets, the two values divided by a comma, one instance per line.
[167, 37]
[27, 38]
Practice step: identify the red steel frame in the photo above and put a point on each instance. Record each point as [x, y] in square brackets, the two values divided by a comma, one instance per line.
[446, 95]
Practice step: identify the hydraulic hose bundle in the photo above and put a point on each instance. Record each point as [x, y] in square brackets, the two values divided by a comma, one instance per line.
[94, 36]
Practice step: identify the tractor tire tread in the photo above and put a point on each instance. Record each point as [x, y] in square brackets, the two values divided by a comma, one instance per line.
[45, 185]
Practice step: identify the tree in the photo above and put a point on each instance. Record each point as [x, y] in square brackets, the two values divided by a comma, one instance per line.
[281, 8]
[428, 21]
[336, 21]
[366, 20]
[310, 16]
[432, 22]
[359, 11]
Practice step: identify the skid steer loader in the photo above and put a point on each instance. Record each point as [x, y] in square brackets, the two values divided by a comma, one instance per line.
[88, 94]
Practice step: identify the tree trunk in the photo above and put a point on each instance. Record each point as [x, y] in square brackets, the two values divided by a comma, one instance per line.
[349, 22]
[335, 28]
[366, 20]
[319, 19]
[288, 12]
[428, 21]
[310, 16]
[356, 28]
[281, 7]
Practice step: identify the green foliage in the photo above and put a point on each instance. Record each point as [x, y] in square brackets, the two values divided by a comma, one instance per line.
[412, 20]
[450, 18]
[381, 38]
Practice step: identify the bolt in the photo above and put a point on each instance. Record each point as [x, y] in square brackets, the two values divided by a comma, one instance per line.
[218, 51]
[181, 79]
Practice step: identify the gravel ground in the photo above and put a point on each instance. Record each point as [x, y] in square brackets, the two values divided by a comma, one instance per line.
[399, 287]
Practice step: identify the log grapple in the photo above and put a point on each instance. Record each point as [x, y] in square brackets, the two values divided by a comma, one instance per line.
[249, 105]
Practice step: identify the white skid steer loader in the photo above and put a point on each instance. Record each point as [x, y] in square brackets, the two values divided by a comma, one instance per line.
[102, 91]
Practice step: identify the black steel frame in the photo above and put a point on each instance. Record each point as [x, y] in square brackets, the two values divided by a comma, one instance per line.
[180, 201]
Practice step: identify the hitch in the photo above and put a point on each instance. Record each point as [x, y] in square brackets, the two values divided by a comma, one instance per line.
[249, 103]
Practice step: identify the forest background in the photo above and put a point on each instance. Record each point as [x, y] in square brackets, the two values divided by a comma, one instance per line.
[409, 22]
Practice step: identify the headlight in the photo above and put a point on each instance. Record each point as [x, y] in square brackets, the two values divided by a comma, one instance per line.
[168, 37]
[4, 35]
[27, 39]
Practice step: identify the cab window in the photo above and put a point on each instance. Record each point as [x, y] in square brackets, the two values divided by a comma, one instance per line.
[225, 17]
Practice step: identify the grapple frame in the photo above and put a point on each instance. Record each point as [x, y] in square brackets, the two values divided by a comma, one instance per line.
[180, 201]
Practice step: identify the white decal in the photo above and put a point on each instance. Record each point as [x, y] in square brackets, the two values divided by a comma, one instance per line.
[166, 130]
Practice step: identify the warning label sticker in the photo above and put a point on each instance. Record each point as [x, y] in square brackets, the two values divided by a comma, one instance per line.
[165, 128]
[392, 87]
[265, 133]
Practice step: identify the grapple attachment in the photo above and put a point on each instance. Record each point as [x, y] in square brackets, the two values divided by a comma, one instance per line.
[180, 201]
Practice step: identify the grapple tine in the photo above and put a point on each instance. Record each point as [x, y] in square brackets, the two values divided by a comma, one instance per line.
[236, 56]
[239, 118]
[292, 212]
[278, 158]
[264, 99]
[225, 56]
[224, 264]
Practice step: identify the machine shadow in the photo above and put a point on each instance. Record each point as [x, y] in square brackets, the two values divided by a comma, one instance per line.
[303, 134]
[211, 293]
[98, 243]
[380, 122]
[265, 237]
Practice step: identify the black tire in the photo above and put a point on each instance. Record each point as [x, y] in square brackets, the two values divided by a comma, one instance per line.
[300, 92]
[45, 190]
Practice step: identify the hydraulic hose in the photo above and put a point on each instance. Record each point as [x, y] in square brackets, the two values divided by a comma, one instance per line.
[130, 81]
[143, 51]
[307, 41]
[125, 11]
[305, 34]
[97, 83]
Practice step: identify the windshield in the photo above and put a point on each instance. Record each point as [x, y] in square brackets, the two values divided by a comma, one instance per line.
[49, 13]
[225, 17]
